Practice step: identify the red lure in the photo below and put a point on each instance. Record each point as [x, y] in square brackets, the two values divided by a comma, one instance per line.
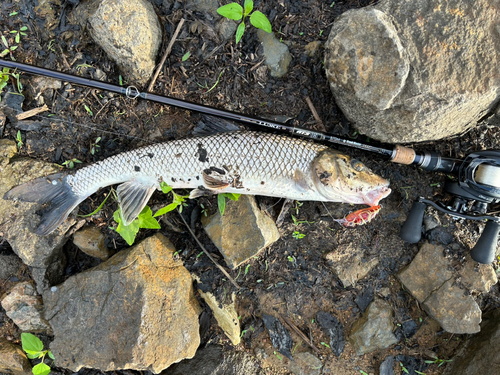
[359, 217]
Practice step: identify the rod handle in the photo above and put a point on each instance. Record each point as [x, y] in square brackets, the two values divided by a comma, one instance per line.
[485, 249]
[411, 231]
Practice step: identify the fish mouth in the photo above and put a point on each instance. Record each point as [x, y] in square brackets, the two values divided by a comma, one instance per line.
[375, 196]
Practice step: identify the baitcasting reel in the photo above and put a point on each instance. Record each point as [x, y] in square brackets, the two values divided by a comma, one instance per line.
[478, 185]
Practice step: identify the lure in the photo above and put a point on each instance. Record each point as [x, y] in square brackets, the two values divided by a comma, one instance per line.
[359, 217]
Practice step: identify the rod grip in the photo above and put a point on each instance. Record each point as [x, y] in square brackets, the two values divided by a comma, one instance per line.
[485, 249]
[411, 231]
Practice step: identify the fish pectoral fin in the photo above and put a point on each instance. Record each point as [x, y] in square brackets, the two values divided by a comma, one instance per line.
[301, 180]
[214, 184]
[132, 197]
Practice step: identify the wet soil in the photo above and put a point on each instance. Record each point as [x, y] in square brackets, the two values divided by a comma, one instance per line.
[291, 278]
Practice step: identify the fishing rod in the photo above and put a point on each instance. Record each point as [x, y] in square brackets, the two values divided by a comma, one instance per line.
[430, 161]
[477, 186]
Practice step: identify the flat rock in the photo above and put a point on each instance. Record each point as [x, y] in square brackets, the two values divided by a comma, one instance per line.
[20, 219]
[306, 364]
[374, 330]
[13, 360]
[454, 309]
[135, 311]
[349, 264]
[406, 71]
[477, 276]
[277, 56]
[24, 306]
[480, 353]
[225, 314]
[9, 266]
[242, 232]
[90, 240]
[129, 32]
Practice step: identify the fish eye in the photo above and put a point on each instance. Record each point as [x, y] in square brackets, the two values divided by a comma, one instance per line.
[357, 165]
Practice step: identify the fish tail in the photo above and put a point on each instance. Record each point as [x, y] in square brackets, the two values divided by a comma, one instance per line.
[55, 191]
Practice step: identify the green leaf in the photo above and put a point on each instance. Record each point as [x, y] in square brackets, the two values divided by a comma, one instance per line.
[232, 196]
[239, 31]
[221, 202]
[186, 56]
[4, 41]
[50, 355]
[233, 11]
[41, 369]
[31, 342]
[13, 48]
[128, 232]
[164, 210]
[33, 354]
[166, 188]
[146, 219]
[260, 21]
[24, 28]
[17, 38]
[248, 5]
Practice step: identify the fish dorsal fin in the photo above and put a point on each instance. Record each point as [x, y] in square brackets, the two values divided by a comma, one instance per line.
[301, 180]
[132, 197]
[213, 183]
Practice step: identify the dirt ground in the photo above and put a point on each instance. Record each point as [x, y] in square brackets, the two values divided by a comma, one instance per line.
[292, 277]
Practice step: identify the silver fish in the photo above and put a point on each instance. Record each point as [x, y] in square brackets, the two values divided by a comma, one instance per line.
[237, 162]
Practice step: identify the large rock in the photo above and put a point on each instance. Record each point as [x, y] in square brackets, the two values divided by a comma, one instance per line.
[19, 219]
[407, 71]
[24, 306]
[480, 353]
[135, 311]
[374, 330]
[443, 292]
[129, 32]
[13, 361]
[242, 232]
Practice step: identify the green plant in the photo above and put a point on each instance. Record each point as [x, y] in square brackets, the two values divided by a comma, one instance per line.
[19, 140]
[439, 361]
[298, 222]
[89, 111]
[205, 86]
[33, 347]
[8, 49]
[71, 163]
[236, 12]
[94, 147]
[4, 78]
[221, 200]
[186, 56]
[297, 235]
[325, 344]
[18, 34]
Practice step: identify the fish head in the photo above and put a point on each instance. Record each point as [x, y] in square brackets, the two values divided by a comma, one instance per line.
[340, 178]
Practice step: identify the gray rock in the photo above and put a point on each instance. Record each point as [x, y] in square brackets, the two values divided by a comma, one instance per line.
[306, 364]
[374, 330]
[90, 240]
[226, 28]
[349, 263]
[13, 361]
[44, 254]
[407, 71]
[135, 311]
[432, 280]
[129, 32]
[480, 353]
[212, 360]
[386, 367]
[277, 56]
[9, 266]
[242, 232]
[454, 309]
[24, 306]
[203, 6]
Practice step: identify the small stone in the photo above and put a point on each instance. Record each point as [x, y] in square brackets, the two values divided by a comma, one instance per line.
[13, 360]
[454, 309]
[477, 276]
[277, 56]
[226, 28]
[9, 266]
[374, 330]
[306, 364]
[312, 48]
[203, 6]
[387, 366]
[24, 306]
[349, 264]
[242, 232]
[90, 240]
[225, 314]
[427, 272]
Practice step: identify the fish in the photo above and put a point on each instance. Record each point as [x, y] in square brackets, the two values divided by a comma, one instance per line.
[359, 217]
[243, 162]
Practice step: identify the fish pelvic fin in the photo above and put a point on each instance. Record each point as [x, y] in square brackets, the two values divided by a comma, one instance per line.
[54, 190]
[213, 183]
[133, 196]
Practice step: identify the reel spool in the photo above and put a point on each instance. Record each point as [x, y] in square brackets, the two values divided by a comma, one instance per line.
[478, 186]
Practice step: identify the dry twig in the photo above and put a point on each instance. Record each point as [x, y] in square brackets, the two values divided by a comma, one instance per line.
[32, 112]
[299, 332]
[319, 123]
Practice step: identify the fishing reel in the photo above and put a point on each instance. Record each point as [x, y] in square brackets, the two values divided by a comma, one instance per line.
[478, 185]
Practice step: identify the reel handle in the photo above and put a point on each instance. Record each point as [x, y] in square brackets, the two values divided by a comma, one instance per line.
[485, 249]
[411, 231]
